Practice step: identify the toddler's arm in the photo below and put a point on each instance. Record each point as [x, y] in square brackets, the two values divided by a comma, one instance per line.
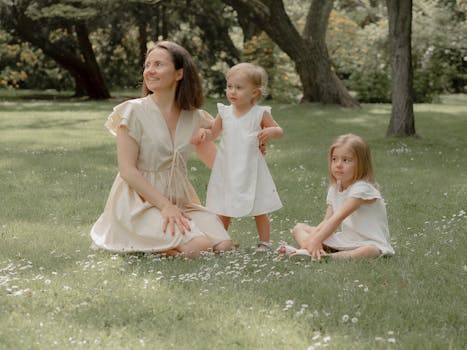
[270, 129]
[314, 243]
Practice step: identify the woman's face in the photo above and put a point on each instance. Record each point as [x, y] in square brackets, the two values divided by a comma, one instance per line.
[159, 71]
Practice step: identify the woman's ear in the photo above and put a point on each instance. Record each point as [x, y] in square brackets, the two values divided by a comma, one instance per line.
[179, 74]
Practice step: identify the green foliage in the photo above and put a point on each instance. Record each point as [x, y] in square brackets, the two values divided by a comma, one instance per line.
[27, 67]
[57, 166]
[439, 51]
[119, 60]
[284, 84]
[357, 41]
[356, 38]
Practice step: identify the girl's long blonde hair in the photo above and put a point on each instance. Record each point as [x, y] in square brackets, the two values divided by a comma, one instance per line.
[361, 151]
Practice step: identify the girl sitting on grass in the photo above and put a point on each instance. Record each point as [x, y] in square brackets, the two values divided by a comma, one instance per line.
[240, 183]
[354, 203]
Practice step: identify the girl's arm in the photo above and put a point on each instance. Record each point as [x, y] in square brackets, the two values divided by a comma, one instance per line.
[127, 154]
[205, 134]
[270, 129]
[314, 243]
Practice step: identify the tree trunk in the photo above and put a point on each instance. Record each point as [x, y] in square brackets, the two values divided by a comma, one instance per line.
[93, 80]
[309, 53]
[402, 121]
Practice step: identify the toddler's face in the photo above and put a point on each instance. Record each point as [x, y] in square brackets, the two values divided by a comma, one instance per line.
[240, 91]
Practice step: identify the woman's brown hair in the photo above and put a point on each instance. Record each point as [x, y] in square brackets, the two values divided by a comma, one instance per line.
[189, 92]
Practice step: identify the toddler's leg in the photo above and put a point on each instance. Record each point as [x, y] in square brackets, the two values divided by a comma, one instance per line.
[225, 221]
[301, 232]
[263, 227]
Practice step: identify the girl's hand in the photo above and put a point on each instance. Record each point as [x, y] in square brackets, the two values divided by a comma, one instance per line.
[199, 136]
[315, 247]
[173, 217]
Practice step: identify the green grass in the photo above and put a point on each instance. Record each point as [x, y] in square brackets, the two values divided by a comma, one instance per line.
[57, 165]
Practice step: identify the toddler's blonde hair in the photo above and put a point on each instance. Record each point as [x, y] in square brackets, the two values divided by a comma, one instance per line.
[361, 151]
[256, 74]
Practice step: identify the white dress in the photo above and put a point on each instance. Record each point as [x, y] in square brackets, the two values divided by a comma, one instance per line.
[368, 225]
[131, 224]
[240, 182]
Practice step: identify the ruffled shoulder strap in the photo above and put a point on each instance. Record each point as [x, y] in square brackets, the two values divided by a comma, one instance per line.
[364, 190]
[260, 111]
[263, 109]
[223, 110]
[126, 114]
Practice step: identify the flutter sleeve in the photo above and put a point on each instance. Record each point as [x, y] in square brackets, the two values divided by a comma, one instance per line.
[364, 190]
[125, 114]
[222, 109]
[205, 119]
[265, 109]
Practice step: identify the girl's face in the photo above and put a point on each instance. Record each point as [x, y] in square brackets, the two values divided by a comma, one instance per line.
[240, 91]
[343, 165]
[159, 71]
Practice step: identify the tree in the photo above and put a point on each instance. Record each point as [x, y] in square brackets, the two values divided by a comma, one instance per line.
[402, 121]
[60, 29]
[308, 51]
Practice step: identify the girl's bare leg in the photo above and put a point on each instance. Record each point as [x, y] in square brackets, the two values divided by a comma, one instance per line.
[225, 221]
[358, 253]
[263, 227]
[301, 232]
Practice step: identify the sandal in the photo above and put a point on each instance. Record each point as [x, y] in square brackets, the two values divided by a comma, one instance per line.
[286, 250]
[300, 254]
[263, 247]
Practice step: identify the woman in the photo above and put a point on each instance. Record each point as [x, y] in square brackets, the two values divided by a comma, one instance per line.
[152, 206]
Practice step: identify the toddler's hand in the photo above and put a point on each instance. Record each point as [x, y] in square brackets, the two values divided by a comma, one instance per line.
[199, 136]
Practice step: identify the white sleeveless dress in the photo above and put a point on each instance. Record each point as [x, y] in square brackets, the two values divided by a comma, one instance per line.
[240, 182]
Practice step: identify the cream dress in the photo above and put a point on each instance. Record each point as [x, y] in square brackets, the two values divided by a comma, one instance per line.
[368, 225]
[240, 182]
[131, 224]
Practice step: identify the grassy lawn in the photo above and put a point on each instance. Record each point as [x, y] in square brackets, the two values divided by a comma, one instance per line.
[58, 162]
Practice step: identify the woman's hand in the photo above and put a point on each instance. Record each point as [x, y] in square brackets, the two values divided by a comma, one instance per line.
[173, 217]
[266, 134]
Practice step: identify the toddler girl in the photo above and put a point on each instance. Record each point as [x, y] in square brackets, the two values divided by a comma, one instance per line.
[240, 183]
[354, 204]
